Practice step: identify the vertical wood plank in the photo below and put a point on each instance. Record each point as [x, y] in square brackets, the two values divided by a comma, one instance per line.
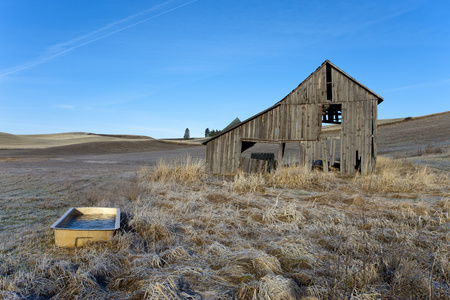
[344, 142]
[301, 154]
[229, 149]
[324, 155]
[208, 158]
[374, 133]
[297, 121]
[332, 150]
[352, 153]
[308, 157]
[366, 138]
[293, 123]
[281, 148]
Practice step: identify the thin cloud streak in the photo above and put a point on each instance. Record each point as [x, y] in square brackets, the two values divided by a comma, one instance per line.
[418, 86]
[66, 107]
[59, 48]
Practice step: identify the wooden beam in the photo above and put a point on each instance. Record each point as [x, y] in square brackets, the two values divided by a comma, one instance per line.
[281, 148]
[324, 155]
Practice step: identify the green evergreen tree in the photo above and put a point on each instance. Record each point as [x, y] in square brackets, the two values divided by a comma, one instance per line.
[187, 134]
[214, 132]
[207, 133]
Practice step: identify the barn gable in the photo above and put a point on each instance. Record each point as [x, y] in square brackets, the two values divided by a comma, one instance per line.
[328, 95]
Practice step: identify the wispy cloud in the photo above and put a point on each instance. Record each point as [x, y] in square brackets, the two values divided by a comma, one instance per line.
[419, 85]
[65, 107]
[98, 34]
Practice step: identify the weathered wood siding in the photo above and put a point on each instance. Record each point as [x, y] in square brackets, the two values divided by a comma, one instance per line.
[346, 90]
[285, 122]
[223, 153]
[313, 90]
[358, 136]
[297, 118]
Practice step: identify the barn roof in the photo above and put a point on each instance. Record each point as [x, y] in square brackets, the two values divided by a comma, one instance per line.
[229, 128]
[232, 124]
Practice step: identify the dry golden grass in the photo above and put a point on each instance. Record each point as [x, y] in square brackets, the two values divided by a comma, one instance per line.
[245, 183]
[399, 177]
[181, 171]
[286, 235]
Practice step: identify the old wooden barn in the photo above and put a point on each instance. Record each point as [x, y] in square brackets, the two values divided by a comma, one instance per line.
[327, 96]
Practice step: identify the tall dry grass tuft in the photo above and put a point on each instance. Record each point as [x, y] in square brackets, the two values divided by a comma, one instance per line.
[81, 285]
[445, 204]
[292, 177]
[270, 287]
[171, 288]
[298, 177]
[397, 176]
[254, 262]
[152, 225]
[121, 191]
[190, 170]
[248, 183]
[292, 256]
[278, 287]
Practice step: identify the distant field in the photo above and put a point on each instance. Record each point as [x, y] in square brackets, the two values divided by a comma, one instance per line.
[423, 140]
[395, 135]
[42, 141]
[412, 134]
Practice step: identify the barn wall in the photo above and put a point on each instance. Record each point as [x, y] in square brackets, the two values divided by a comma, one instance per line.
[286, 122]
[282, 123]
[223, 153]
[347, 90]
[311, 91]
[358, 136]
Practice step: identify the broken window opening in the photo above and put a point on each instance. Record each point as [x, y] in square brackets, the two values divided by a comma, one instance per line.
[332, 113]
[331, 116]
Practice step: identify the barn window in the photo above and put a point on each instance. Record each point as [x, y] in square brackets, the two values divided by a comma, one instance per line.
[332, 113]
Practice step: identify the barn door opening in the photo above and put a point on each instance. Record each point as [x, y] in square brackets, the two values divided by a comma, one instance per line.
[258, 157]
[328, 148]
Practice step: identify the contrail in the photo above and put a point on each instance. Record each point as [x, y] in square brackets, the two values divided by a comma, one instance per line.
[419, 85]
[57, 50]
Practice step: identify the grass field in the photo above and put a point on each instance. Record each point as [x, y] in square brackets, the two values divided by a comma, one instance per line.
[284, 235]
[189, 235]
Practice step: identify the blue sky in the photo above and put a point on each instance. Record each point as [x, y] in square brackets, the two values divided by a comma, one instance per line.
[157, 67]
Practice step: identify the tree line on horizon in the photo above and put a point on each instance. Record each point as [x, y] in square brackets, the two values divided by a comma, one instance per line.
[208, 133]
[211, 133]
